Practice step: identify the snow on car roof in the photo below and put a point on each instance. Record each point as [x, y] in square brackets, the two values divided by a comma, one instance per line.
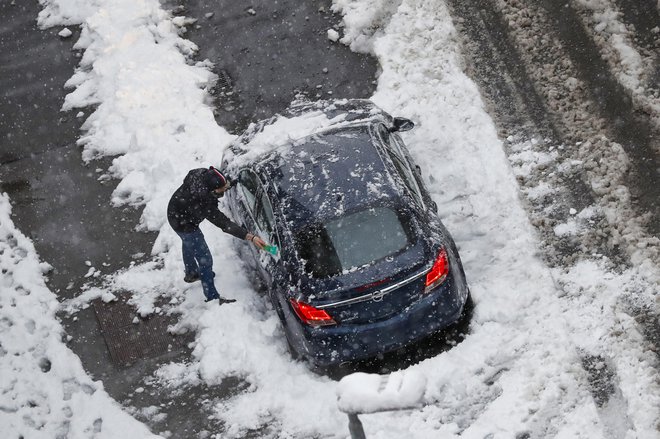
[330, 173]
[300, 121]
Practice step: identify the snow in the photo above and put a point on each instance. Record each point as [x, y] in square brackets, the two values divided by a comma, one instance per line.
[44, 390]
[371, 393]
[519, 371]
[151, 102]
[65, 33]
[362, 20]
[285, 130]
[333, 35]
[633, 64]
[607, 21]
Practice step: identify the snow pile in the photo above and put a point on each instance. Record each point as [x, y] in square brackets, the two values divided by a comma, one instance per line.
[150, 103]
[369, 393]
[532, 348]
[44, 391]
[363, 21]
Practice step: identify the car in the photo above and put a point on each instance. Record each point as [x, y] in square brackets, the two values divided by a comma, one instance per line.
[364, 266]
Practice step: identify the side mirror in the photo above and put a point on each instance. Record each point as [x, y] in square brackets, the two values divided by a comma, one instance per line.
[401, 124]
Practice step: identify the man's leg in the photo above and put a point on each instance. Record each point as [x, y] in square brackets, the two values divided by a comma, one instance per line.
[205, 263]
[188, 250]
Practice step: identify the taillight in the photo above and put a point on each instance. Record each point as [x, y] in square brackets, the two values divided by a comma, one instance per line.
[438, 272]
[310, 315]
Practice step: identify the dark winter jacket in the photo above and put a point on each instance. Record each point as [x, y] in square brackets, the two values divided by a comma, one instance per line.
[193, 202]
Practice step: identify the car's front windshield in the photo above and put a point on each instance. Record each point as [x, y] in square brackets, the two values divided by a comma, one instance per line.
[351, 241]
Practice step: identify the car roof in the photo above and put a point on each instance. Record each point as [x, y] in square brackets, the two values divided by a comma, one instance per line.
[330, 173]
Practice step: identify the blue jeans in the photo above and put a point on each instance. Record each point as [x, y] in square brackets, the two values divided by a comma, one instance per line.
[197, 260]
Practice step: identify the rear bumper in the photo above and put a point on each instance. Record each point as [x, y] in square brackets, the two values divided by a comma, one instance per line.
[332, 345]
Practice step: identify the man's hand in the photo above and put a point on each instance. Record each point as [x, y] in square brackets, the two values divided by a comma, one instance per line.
[259, 242]
[256, 240]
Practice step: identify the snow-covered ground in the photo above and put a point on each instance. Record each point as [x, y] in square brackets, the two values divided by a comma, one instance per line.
[45, 392]
[590, 153]
[521, 372]
[633, 64]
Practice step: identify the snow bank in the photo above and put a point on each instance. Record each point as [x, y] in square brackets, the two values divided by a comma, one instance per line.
[149, 101]
[44, 391]
[371, 393]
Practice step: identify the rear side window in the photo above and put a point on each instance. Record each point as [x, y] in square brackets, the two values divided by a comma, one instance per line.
[352, 241]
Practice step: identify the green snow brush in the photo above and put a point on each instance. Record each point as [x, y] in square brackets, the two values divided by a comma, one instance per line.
[272, 249]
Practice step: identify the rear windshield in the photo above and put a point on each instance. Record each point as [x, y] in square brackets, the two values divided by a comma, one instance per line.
[352, 241]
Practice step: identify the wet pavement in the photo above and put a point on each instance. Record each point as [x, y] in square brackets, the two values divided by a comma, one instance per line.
[273, 50]
[266, 55]
[518, 100]
[632, 130]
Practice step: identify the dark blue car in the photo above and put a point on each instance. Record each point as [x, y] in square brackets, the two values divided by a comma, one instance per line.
[365, 266]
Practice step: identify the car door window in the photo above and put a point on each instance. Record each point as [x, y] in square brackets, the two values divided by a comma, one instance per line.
[260, 208]
[400, 163]
[416, 171]
[265, 220]
[264, 211]
[249, 189]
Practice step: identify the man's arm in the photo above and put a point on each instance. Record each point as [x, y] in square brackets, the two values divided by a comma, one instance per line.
[228, 226]
[220, 219]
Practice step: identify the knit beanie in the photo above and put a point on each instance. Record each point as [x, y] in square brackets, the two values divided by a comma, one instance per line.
[215, 179]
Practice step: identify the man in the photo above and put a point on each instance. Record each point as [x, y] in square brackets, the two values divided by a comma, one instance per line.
[193, 202]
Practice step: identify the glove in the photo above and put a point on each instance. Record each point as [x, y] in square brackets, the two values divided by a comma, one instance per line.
[232, 181]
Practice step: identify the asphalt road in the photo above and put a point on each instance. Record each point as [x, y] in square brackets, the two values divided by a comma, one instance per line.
[264, 59]
[271, 51]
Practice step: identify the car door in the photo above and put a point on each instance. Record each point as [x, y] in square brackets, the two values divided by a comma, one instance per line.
[397, 142]
[265, 227]
[248, 191]
[257, 211]
[401, 165]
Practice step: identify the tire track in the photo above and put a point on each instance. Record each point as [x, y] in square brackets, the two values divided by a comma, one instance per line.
[627, 127]
[522, 112]
[583, 153]
[587, 166]
[627, 34]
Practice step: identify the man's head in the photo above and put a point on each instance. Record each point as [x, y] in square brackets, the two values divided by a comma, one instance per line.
[217, 181]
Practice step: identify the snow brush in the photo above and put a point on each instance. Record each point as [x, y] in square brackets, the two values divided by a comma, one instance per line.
[272, 249]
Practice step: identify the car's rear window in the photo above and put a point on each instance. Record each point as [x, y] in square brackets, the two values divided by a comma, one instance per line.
[351, 241]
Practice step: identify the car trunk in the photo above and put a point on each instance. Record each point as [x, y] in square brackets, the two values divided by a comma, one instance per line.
[376, 292]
